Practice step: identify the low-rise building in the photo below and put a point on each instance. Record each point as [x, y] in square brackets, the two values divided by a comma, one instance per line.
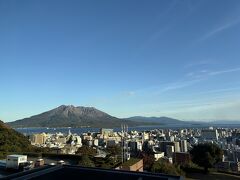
[158, 155]
[181, 158]
[169, 150]
[132, 165]
[15, 161]
[210, 134]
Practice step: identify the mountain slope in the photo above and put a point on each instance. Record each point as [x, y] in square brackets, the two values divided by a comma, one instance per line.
[161, 120]
[12, 141]
[71, 116]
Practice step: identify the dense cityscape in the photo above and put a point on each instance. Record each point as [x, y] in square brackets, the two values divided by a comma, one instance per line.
[172, 146]
[158, 150]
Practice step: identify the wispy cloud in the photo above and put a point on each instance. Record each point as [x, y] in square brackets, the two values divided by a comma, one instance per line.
[176, 85]
[200, 63]
[161, 88]
[206, 73]
[195, 78]
[224, 71]
[219, 29]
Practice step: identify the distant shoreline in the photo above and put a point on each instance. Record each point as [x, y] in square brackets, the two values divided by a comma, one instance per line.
[65, 130]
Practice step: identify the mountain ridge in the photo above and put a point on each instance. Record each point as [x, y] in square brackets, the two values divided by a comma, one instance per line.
[80, 116]
[153, 119]
[74, 116]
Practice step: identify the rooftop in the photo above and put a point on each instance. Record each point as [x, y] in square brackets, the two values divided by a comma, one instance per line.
[78, 172]
[16, 155]
[131, 162]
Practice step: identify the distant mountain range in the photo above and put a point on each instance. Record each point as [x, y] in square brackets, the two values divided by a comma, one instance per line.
[71, 116]
[161, 120]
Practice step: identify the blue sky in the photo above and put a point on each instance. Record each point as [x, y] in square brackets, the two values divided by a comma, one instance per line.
[152, 58]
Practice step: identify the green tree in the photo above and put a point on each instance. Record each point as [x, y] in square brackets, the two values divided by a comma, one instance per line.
[86, 161]
[114, 150]
[162, 166]
[206, 155]
[86, 150]
[12, 141]
[148, 160]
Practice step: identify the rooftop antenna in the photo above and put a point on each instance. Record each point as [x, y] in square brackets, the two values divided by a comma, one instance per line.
[124, 128]
[122, 142]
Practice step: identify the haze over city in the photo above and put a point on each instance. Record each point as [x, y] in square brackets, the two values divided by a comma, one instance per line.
[161, 58]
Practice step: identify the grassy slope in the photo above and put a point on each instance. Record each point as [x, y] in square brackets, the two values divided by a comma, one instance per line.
[12, 141]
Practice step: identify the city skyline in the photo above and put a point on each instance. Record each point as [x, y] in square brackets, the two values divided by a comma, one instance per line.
[158, 58]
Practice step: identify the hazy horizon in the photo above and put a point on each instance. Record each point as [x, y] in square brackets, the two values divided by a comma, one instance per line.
[199, 120]
[178, 59]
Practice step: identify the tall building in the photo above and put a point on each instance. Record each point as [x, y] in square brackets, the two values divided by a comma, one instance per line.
[78, 140]
[145, 136]
[39, 138]
[183, 146]
[135, 146]
[170, 150]
[163, 145]
[176, 146]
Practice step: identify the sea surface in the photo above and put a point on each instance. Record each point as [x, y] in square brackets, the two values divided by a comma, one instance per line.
[29, 131]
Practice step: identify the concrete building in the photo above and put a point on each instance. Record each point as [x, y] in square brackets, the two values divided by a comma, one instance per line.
[132, 165]
[171, 138]
[95, 142]
[106, 132]
[163, 145]
[89, 142]
[15, 161]
[183, 146]
[135, 146]
[176, 147]
[69, 149]
[210, 134]
[145, 136]
[158, 155]
[78, 141]
[111, 143]
[61, 139]
[39, 138]
[181, 158]
[169, 150]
